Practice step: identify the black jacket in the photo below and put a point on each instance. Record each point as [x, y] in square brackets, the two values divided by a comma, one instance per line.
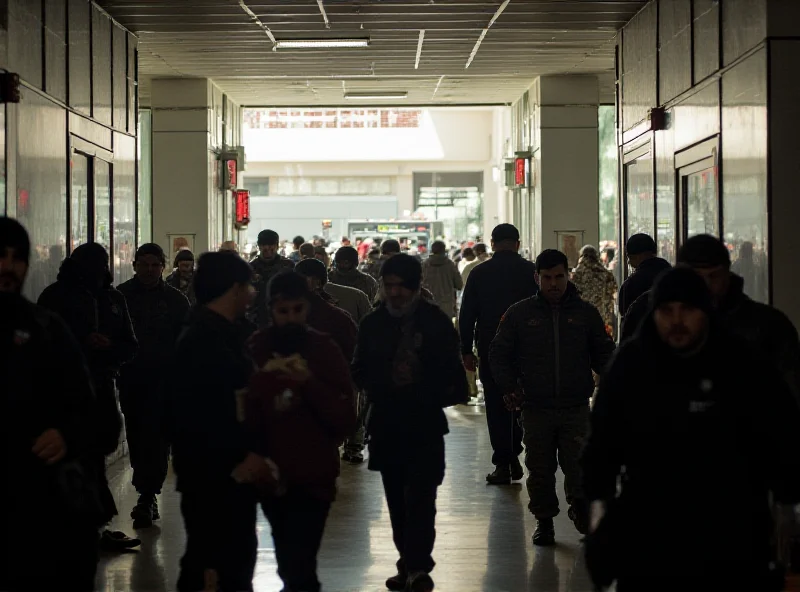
[492, 287]
[158, 314]
[551, 352]
[46, 385]
[263, 272]
[203, 424]
[410, 369]
[639, 282]
[702, 440]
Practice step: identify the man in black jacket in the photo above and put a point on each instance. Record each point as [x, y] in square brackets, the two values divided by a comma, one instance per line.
[98, 316]
[641, 251]
[715, 434]
[157, 311]
[48, 439]
[268, 264]
[491, 288]
[213, 461]
[408, 365]
[543, 357]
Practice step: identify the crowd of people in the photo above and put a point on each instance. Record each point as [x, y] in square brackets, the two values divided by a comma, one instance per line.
[670, 403]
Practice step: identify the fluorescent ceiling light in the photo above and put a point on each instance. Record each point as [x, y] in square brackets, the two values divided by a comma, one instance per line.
[320, 43]
[375, 96]
[419, 48]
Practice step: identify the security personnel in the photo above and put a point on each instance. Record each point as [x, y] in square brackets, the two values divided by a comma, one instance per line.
[157, 311]
[491, 288]
[268, 263]
[543, 357]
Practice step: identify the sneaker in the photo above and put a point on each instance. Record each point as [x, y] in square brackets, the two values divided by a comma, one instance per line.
[516, 470]
[397, 583]
[354, 458]
[500, 476]
[420, 582]
[579, 514]
[545, 533]
[116, 541]
[142, 512]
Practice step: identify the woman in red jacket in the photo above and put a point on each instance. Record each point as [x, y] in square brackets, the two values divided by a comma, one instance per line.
[299, 409]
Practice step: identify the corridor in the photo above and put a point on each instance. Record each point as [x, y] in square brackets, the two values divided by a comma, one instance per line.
[483, 533]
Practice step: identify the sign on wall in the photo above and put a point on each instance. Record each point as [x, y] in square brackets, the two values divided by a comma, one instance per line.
[242, 208]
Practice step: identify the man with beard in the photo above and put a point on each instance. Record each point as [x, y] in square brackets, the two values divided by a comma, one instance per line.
[543, 357]
[48, 439]
[346, 273]
[267, 264]
[407, 362]
[698, 454]
[98, 316]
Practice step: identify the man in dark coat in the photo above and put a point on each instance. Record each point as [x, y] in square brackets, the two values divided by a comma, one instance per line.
[212, 456]
[268, 263]
[48, 439]
[543, 357]
[98, 317]
[157, 311]
[699, 455]
[182, 276]
[407, 362]
[641, 251]
[346, 273]
[491, 288]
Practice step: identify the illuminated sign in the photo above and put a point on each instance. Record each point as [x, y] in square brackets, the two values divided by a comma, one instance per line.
[242, 207]
[230, 166]
[520, 169]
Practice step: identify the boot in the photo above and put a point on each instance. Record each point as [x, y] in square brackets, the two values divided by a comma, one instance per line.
[420, 582]
[500, 476]
[397, 583]
[116, 542]
[516, 470]
[353, 457]
[579, 514]
[156, 513]
[142, 512]
[545, 533]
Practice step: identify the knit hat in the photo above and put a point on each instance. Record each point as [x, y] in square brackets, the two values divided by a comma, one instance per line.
[347, 254]
[683, 285]
[505, 232]
[390, 246]
[217, 273]
[268, 237]
[406, 268]
[639, 244]
[183, 255]
[13, 234]
[151, 249]
[313, 268]
[287, 285]
[92, 260]
[704, 251]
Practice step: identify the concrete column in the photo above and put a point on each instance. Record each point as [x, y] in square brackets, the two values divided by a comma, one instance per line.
[405, 193]
[565, 196]
[181, 178]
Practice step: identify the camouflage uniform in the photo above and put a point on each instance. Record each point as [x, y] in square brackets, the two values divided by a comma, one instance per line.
[596, 286]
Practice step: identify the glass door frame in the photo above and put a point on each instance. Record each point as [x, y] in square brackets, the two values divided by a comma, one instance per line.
[92, 152]
[695, 159]
[630, 155]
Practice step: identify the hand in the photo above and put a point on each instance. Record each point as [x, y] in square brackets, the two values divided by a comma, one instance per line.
[50, 447]
[470, 362]
[253, 469]
[98, 341]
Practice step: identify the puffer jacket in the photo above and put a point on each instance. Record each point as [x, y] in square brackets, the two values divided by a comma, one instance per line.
[440, 275]
[550, 351]
[355, 279]
[597, 286]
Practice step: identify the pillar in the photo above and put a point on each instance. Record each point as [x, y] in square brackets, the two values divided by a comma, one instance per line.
[182, 120]
[565, 160]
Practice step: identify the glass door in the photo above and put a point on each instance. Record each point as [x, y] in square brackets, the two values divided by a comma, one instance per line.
[80, 198]
[699, 209]
[102, 203]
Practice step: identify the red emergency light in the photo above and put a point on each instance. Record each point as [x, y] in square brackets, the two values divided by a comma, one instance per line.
[230, 165]
[242, 208]
[519, 172]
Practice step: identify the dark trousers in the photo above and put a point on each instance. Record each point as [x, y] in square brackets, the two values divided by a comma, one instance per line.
[505, 434]
[298, 522]
[412, 511]
[553, 437]
[147, 446]
[220, 523]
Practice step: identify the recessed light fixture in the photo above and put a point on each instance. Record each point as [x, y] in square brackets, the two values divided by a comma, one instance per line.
[375, 96]
[320, 43]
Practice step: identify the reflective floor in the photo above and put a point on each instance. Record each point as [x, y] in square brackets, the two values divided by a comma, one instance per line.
[483, 533]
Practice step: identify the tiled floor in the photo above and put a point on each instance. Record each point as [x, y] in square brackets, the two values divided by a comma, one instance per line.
[483, 542]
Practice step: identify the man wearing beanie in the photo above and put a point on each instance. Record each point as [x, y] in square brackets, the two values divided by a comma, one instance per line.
[346, 273]
[268, 264]
[704, 441]
[641, 251]
[490, 290]
[48, 422]
[407, 362]
[98, 316]
[182, 274]
[157, 311]
[215, 467]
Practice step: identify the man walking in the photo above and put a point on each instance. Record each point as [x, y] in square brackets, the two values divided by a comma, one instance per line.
[543, 357]
[440, 275]
[492, 287]
[346, 273]
[267, 264]
[641, 251]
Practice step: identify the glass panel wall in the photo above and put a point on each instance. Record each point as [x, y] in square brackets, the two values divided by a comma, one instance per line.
[79, 205]
[702, 205]
[639, 199]
[124, 211]
[608, 177]
[102, 203]
[145, 150]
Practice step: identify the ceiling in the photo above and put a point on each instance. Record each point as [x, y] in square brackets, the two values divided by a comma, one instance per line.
[228, 41]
